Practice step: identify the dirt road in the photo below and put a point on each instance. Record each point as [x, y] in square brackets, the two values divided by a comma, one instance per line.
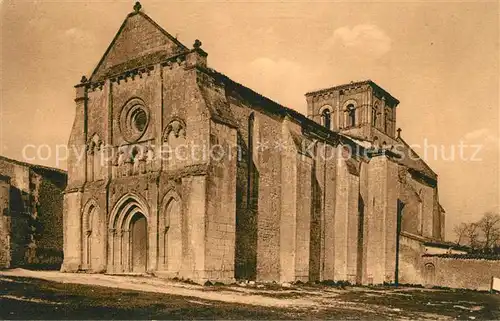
[243, 301]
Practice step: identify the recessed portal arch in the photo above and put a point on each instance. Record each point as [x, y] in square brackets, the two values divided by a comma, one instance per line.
[128, 241]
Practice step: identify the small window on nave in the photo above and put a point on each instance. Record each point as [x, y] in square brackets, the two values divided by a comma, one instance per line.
[326, 118]
[351, 115]
[375, 113]
[387, 120]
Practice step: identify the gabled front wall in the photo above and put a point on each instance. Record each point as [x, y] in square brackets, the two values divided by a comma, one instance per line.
[172, 96]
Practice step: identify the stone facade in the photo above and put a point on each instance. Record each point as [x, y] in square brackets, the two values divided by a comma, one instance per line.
[245, 188]
[31, 210]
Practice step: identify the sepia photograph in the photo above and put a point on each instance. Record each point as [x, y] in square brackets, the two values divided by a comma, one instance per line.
[249, 160]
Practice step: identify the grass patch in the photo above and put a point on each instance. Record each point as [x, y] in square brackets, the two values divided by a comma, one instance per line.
[76, 301]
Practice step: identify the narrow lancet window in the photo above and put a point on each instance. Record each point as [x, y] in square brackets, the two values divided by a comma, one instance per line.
[326, 118]
[351, 115]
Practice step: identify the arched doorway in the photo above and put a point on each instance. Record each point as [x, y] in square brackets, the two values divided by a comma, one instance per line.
[139, 243]
[429, 275]
[128, 242]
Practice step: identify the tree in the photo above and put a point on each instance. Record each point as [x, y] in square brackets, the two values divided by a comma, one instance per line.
[489, 225]
[482, 235]
[467, 234]
[473, 236]
[461, 233]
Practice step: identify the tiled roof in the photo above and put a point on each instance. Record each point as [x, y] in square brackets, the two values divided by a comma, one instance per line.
[34, 166]
[412, 160]
[446, 245]
[468, 256]
[355, 84]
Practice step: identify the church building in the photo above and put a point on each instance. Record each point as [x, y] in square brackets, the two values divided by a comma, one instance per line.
[177, 170]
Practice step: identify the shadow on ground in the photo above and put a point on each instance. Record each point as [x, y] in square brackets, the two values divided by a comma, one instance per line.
[33, 298]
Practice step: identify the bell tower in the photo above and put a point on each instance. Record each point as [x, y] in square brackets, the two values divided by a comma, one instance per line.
[361, 110]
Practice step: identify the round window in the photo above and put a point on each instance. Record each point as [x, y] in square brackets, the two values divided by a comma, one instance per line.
[139, 120]
[134, 120]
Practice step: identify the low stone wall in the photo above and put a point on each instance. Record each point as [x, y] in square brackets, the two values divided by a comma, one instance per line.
[453, 271]
[410, 260]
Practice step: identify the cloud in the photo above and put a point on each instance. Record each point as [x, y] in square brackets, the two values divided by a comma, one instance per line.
[275, 68]
[78, 36]
[482, 136]
[362, 39]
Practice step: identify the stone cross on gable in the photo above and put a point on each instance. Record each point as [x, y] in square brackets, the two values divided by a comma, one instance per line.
[137, 6]
[197, 44]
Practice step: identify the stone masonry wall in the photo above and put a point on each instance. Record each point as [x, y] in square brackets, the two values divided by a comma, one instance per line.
[381, 221]
[221, 205]
[472, 274]
[269, 208]
[325, 176]
[410, 260]
[296, 202]
[32, 214]
[20, 211]
[4, 222]
[48, 203]
[346, 222]
[289, 197]
[264, 215]
[304, 211]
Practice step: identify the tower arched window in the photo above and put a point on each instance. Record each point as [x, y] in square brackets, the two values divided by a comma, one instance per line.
[386, 120]
[375, 114]
[326, 118]
[351, 115]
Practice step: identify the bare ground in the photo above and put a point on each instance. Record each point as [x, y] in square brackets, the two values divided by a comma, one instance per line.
[26, 294]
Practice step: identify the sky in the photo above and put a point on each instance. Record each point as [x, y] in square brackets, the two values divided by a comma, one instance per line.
[440, 59]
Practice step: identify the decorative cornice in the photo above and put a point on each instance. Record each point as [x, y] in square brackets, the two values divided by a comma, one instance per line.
[175, 61]
[171, 61]
[338, 87]
[378, 91]
[124, 76]
[191, 170]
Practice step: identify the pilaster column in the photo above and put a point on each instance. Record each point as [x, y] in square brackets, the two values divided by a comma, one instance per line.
[111, 250]
[127, 242]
